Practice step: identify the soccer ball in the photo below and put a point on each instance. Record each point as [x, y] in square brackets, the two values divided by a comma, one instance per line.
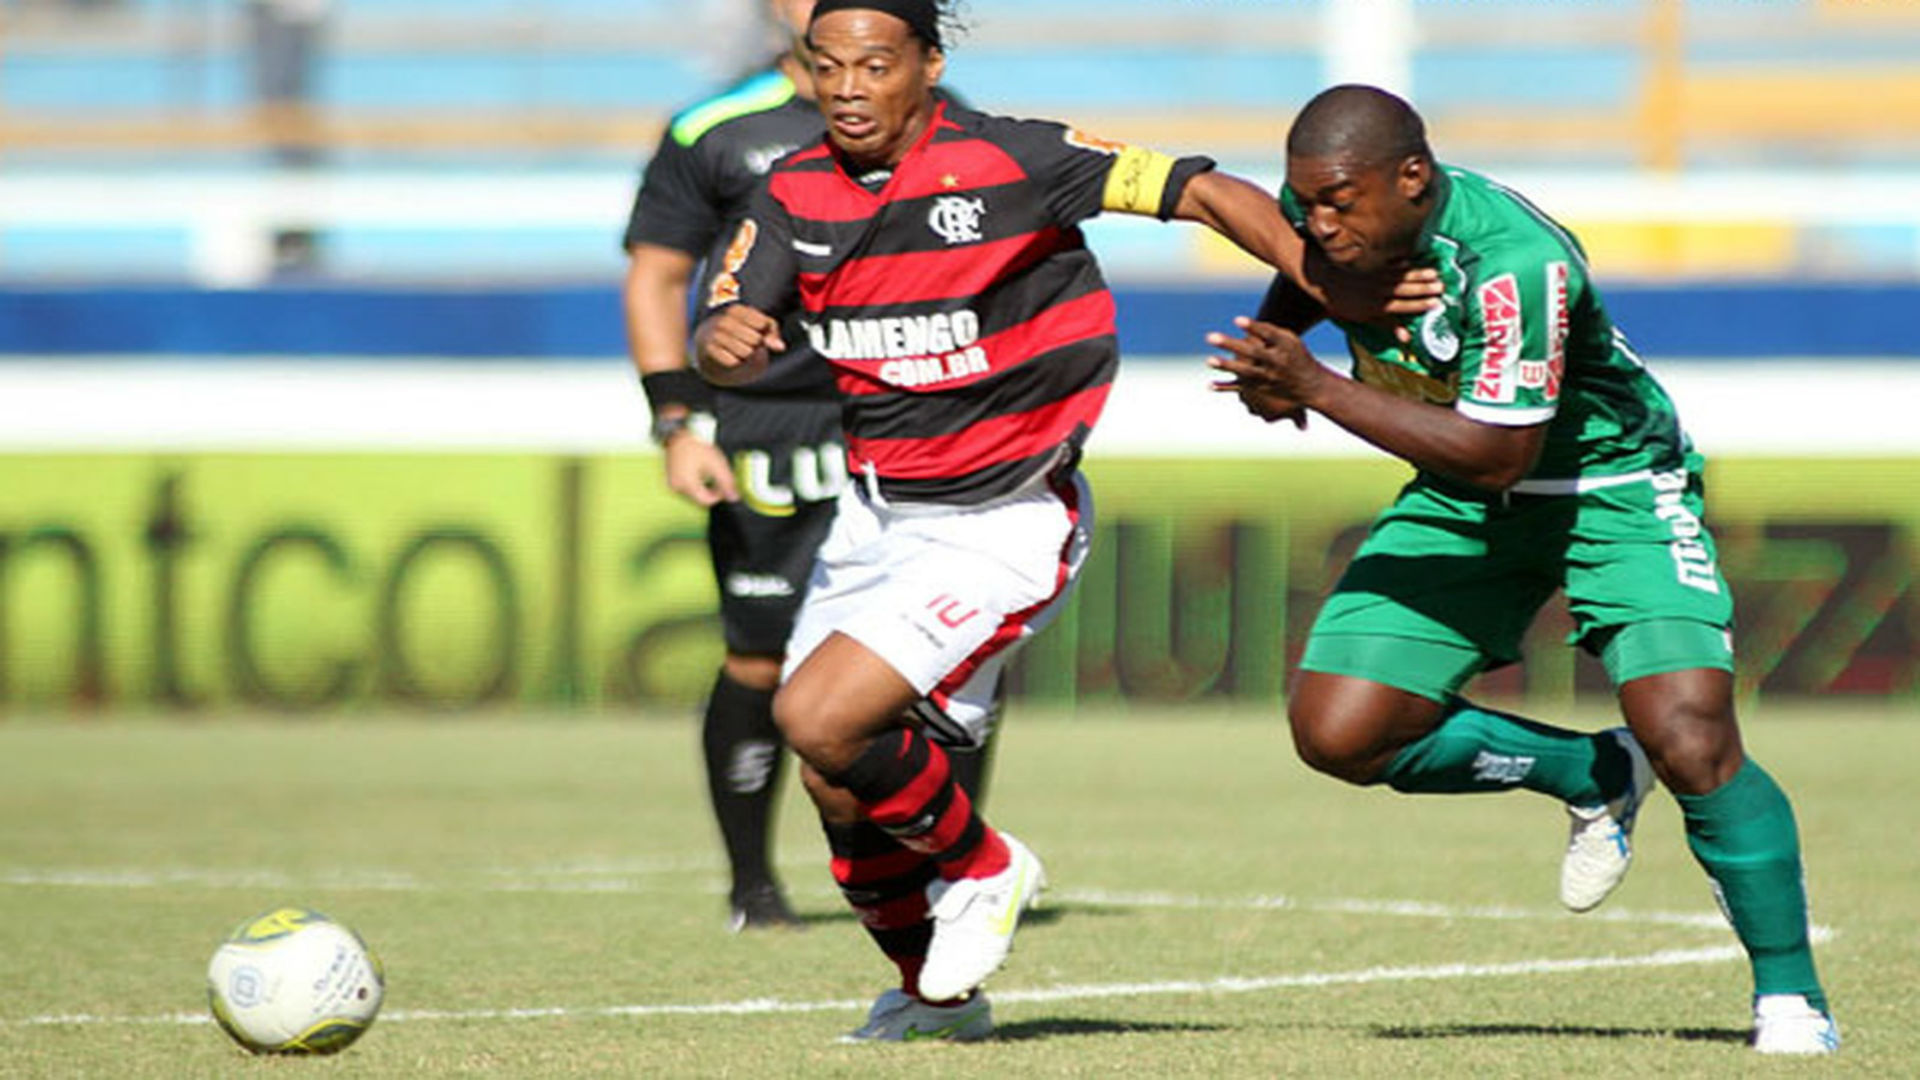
[292, 981]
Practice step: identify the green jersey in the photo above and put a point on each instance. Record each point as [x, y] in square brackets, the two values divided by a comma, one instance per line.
[1522, 338]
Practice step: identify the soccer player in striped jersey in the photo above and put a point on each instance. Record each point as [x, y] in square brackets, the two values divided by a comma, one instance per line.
[1547, 458]
[766, 461]
[933, 257]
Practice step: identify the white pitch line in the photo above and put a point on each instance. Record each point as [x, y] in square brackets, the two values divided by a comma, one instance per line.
[1412, 909]
[637, 878]
[1254, 984]
[1047, 994]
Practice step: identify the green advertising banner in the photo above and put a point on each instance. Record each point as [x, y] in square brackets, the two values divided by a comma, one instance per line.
[303, 580]
[316, 580]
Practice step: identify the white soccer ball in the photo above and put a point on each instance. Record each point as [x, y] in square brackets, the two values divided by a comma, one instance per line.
[292, 981]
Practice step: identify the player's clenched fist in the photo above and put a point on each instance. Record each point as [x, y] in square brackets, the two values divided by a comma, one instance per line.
[1273, 371]
[734, 344]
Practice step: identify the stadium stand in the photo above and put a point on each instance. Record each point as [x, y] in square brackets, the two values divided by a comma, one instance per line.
[537, 89]
[575, 78]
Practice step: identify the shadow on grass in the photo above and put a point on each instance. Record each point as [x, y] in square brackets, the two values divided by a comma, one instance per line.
[1057, 1027]
[1569, 1031]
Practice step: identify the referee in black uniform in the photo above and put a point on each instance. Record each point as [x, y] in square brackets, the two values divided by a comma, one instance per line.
[765, 460]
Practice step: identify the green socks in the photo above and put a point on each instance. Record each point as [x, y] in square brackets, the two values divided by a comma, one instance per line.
[1477, 749]
[1743, 835]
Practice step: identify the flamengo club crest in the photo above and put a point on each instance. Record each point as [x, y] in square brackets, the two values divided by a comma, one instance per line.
[956, 218]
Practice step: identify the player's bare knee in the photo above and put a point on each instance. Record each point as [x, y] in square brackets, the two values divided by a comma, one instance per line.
[836, 805]
[1691, 738]
[806, 725]
[1685, 721]
[1328, 746]
[1693, 753]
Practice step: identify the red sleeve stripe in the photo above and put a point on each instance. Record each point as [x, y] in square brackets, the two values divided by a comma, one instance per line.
[1080, 319]
[1009, 437]
[917, 276]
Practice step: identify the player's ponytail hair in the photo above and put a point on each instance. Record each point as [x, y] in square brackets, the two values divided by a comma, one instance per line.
[952, 20]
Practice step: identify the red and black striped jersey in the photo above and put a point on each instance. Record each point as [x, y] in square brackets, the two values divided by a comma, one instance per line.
[969, 329]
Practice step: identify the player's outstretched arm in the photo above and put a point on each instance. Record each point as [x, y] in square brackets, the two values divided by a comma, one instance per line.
[1243, 213]
[1275, 373]
[734, 344]
[1247, 214]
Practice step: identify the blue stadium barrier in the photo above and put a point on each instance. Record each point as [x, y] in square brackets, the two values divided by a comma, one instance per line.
[1695, 320]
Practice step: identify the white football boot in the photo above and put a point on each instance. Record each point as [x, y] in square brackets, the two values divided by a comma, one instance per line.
[898, 1016]
[973, 923]
[1789, 1024]
[1600, 838]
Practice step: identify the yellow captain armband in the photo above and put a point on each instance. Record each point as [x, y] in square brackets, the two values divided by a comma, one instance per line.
[1137, 182]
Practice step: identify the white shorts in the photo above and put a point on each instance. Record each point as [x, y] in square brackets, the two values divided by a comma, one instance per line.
[946, 594]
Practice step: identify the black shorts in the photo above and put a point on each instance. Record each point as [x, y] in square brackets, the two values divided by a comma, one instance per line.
[790, 464]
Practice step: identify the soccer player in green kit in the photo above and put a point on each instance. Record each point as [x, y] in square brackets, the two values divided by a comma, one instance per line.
[1547, 458]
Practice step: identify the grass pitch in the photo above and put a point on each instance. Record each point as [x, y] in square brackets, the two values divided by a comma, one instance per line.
[548, 898]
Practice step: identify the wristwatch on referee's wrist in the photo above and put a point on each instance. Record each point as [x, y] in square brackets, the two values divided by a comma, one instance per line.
[697, 424]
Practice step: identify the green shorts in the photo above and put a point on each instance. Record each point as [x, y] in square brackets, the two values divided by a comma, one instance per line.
[1447, 582]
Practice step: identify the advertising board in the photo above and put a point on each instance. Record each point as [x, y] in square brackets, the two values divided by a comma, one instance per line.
[329, 579]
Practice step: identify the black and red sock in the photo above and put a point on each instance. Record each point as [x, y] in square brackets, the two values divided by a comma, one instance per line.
[886, 885]
[905, 786]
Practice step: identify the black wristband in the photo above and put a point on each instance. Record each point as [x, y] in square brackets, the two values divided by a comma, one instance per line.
[681, 386]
